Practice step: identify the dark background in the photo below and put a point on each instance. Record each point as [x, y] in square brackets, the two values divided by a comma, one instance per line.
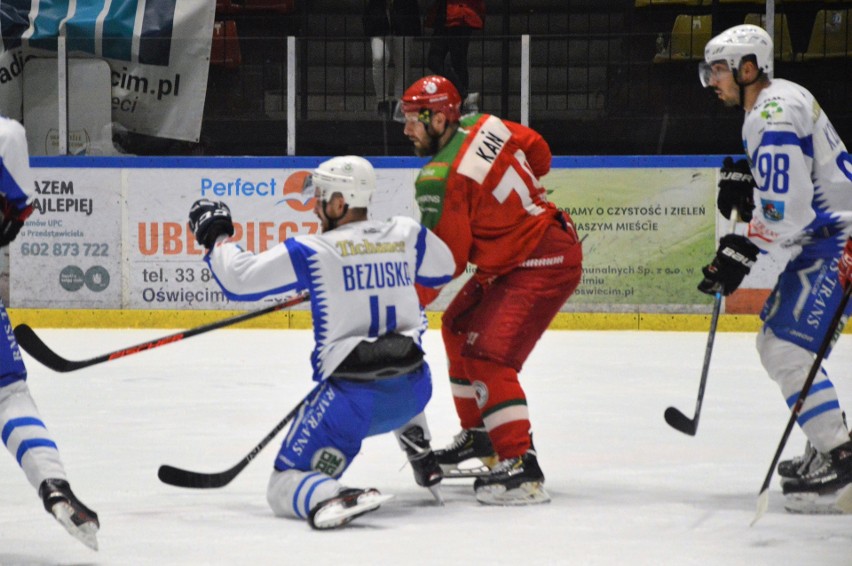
[598, 85]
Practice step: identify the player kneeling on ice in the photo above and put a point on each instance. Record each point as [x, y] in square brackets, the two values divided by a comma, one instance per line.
[794, 188]
[361, 275]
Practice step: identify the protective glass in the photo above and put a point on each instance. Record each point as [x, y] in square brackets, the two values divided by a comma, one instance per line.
[400, 115]
[708, 72]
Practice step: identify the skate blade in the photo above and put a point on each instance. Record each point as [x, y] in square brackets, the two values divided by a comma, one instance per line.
[336, 514]
[454, 471]
[85, 533]
[812, 504]
[529, 493]
[435, 490]
[844, 499]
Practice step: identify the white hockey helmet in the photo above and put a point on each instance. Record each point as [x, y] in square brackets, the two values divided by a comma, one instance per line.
[350, 175]
[735, 43]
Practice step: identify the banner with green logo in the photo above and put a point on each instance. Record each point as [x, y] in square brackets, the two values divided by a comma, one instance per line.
[646, 233]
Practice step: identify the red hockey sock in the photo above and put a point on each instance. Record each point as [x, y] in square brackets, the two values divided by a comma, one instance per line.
[503, 406]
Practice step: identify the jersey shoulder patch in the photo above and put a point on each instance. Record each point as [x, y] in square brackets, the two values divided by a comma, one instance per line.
[482, 150]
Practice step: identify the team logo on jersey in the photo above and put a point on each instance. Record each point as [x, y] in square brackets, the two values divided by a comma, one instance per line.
[773, 210]
[329, 460]
[770, 109]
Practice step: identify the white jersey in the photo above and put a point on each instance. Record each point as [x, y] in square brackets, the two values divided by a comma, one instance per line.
[360, 277]
[802, 172]
[15, 175]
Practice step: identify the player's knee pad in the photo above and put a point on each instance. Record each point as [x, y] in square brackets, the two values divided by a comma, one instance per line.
[293, 493]
[786, 363]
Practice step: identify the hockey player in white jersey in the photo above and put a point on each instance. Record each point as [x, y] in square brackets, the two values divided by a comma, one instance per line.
[368, 321]
[794, 188]
[23, 430]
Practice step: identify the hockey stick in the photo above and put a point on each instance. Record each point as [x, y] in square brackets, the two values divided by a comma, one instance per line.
[35, 346]
[763, 496]
[199, 480]
[674, 417]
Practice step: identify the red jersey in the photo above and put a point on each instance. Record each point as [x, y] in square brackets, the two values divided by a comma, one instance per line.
[482, 196]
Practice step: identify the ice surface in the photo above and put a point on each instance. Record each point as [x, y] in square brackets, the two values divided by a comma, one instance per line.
[627, 489]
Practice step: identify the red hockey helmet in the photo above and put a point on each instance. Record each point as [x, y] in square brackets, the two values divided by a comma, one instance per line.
[434, 93]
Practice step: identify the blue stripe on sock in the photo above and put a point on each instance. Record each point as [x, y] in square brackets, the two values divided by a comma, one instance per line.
[311, 493]
[815, 387]
[817, 411]
[33, 443]
[302, 483]
[12, 424]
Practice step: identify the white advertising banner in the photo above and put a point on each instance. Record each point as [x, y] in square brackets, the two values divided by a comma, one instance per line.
[68, 254]
[158, 52]
[166, 269]
[112, 232]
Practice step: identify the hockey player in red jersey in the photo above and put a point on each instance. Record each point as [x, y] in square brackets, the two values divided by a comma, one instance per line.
[481, 194]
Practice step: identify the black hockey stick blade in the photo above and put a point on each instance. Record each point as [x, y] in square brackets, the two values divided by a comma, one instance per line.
[830, 332]
[35, 346]
[678, 421]
[675, 418]
[200, 480]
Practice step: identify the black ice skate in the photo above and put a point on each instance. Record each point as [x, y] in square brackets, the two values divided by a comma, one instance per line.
[796, 467]
[468, 444]
[835, 473]
[345, 506]
[80, 521]
[816, 491]
[807, 462]
[514, 481]
[427, 472]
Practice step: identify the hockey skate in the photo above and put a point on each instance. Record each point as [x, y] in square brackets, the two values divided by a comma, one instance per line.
[800, 465]
[80, 521]
[345, 506]
[514, 481]
[817, 491]
[807, 462]
[427, 472]
[468, 444]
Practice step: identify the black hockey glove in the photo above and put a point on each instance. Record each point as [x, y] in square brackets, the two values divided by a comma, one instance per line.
[736, 188]
[11, 220]
[208, 220]
[734, 259]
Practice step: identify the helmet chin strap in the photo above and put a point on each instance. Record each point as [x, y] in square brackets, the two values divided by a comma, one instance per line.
[744, 85]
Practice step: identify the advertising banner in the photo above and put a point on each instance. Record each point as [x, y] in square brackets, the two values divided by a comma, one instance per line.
[165, 266]
[112, 232]
[158, 52]
[646, 233]
[68, 254]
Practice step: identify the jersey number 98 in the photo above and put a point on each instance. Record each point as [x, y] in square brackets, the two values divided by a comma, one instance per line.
[775, 170]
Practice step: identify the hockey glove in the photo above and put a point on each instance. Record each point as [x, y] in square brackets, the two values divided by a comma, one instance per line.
[734, 259]
[844, 267]
[208, 220]
[736, 188]
[11, 220]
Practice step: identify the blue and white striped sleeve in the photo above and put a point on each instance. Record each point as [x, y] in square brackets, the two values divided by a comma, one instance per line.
[245, 276]
[435, 263]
